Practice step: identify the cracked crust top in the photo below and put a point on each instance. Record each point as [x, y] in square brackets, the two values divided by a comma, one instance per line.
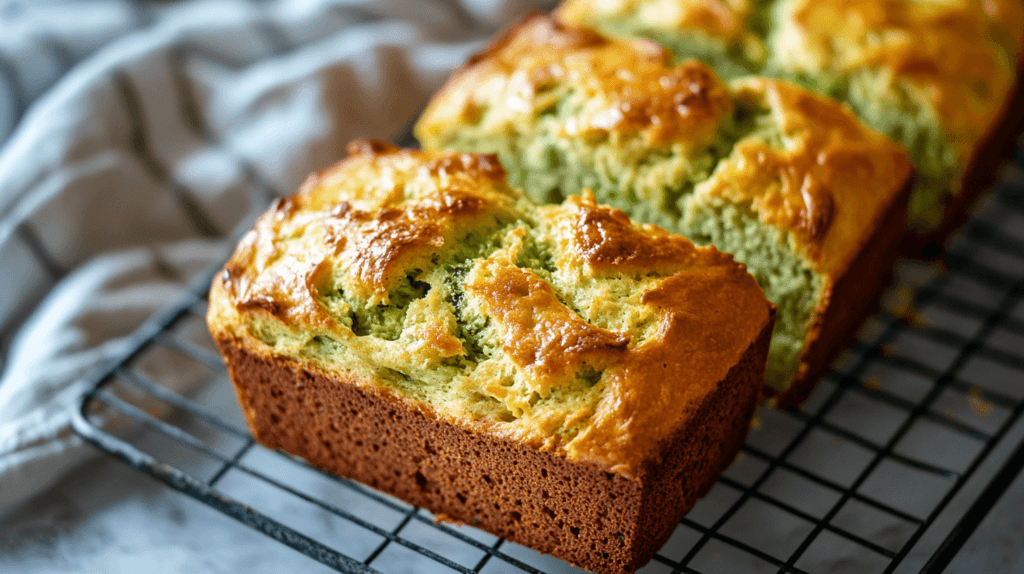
[596, 350]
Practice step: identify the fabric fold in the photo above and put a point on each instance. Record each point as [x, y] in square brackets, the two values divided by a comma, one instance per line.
[164, 131]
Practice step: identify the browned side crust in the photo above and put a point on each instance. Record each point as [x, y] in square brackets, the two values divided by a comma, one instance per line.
[981, 174]
[849, 299]
[585, 515]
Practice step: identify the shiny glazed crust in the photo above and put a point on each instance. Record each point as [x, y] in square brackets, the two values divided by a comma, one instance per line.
[951, 54]
[667, 411]
[853, 185]
[629, 88]
[831, 184]
[364, 224]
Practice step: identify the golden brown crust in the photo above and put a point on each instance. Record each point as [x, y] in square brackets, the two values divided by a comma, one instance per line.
[955, 60]
[709, 310]
[810, 168]
[829, 184]
[625, 88]
[981, 174]
[539, 332]
[606, 240]
[701, 302]
[955, 54]
[368, 217]
[844, 190]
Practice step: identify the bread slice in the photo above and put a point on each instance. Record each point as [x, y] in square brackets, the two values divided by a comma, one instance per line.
[936, 76]
[555, 375]
[791, 183]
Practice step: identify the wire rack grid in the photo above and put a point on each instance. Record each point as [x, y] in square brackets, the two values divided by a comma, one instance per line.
[889, 466]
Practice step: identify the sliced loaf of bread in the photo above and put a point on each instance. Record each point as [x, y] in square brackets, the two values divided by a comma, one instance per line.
[556, 375]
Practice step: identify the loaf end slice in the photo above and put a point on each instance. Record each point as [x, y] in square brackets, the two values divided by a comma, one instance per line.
[556, 375]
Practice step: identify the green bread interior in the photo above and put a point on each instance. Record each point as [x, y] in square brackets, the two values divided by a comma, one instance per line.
[435, 288]
[384, 328]
[886, 106]
[786, 278]
[657, 187]
[727, 61]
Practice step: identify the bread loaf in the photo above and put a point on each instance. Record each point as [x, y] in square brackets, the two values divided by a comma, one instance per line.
[556, 375]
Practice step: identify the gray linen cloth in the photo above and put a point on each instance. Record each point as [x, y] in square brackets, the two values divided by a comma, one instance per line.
[141, 136]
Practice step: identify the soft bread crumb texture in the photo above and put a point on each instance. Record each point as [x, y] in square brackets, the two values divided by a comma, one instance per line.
[556, 327]
[934, 75]
[788, 181]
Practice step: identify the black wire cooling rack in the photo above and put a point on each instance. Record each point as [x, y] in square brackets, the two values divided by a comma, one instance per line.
[889, 466]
